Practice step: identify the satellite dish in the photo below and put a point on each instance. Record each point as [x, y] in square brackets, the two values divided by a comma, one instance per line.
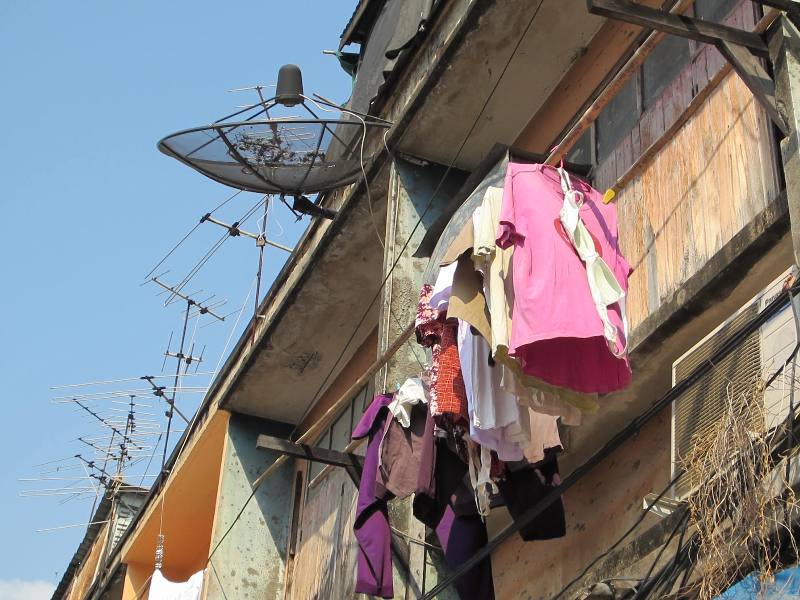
[258, 150]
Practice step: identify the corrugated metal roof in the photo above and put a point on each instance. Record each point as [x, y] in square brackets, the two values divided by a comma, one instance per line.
[357, 28]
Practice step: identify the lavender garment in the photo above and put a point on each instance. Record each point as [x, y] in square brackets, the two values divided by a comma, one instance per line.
[446, 503]
[371, 525]
[461, 531]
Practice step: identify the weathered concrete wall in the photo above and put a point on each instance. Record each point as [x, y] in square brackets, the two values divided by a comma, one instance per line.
[785, 55]
[417, 195]
[249, 564]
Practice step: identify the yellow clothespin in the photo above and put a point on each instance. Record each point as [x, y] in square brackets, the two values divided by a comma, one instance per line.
[609, 196]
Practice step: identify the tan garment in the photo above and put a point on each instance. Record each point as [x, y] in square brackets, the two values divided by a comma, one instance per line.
[547, 403]
[461, 243]
[466, 299]
[543, 434]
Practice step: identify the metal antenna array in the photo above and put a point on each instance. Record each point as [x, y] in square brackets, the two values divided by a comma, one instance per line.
[260, 238]
[183, 359]
[125, 439]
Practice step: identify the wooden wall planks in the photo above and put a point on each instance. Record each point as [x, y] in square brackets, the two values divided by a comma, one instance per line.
[325, 564]
[714, 176]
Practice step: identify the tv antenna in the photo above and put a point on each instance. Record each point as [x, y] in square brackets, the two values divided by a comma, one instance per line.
[184, 359]
[121, 437]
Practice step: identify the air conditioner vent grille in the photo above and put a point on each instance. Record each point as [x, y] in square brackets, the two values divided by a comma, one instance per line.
[699, 408]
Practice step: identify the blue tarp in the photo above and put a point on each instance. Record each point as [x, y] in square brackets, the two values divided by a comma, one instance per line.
[785, 586]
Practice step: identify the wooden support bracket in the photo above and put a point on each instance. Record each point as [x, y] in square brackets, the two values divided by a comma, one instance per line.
[312, 453]
[790, 7]
[680, 25]
[756, 78]
[742, 49]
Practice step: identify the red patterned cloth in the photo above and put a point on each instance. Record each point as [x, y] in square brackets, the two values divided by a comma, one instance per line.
[427, 324]
[451, 395]
[429, 334]
[447, 395]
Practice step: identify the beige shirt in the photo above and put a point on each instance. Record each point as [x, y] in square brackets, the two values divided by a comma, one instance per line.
[494, 263]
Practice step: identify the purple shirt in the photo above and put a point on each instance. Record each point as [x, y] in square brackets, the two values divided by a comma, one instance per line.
[371, 527]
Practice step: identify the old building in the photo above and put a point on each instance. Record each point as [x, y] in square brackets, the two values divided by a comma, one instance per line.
[706, 194]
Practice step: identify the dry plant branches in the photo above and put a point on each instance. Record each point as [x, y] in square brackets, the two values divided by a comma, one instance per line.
[740, 500]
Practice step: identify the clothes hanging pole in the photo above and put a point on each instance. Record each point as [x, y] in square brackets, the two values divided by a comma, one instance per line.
[326, 419]
[612, 89]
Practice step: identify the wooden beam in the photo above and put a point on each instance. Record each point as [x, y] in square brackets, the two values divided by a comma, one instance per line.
[756, 78]
[680, 25]
[790, 7]
[611, 89]
[312, 453]
[785, 5]
[605, 96]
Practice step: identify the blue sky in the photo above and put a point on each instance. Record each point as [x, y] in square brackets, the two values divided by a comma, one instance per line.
[89, 205]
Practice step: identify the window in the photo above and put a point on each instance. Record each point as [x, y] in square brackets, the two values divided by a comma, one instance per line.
[617, 119]
[668, 59]
[338, 435]
[581, 153]
[713, 10]
[637, 106]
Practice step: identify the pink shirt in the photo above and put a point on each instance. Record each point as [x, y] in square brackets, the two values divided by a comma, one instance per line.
[556, 332]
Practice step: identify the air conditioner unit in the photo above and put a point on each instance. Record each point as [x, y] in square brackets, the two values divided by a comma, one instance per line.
[697, 410]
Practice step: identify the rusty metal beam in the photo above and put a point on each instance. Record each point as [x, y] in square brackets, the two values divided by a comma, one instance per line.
[680, 25]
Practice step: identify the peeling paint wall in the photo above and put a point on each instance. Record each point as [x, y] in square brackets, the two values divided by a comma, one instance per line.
[249, 563]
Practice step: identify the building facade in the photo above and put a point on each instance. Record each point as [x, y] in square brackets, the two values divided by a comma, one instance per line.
[705, 188]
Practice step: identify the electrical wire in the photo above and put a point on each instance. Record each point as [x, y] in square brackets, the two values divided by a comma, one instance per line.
[429, 204]
[399, 256]
[617, 440]
[424, 213]
[682, 524]
[191, 231]
[362, 164]
[622, 538]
